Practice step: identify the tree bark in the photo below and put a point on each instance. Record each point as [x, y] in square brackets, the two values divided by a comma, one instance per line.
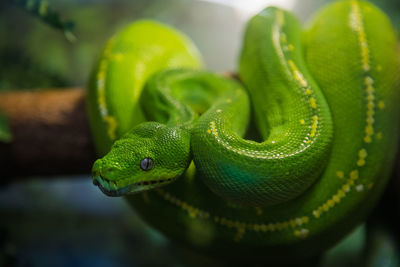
[50, 133]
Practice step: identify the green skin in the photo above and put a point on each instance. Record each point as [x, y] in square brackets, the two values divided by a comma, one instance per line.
[325, 105]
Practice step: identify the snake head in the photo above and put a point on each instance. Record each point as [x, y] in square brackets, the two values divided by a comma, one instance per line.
[149, 156]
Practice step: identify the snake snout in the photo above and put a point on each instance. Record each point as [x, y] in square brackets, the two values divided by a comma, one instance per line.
[96, 172]
[97, 167]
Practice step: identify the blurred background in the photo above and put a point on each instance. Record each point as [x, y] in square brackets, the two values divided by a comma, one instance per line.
[48, 222]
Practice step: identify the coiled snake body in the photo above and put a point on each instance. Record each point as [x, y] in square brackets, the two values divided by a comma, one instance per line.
[324, 103]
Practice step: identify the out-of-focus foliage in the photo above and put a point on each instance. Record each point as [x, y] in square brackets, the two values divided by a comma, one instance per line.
[35, 55]
[41, 9]
[5, 133]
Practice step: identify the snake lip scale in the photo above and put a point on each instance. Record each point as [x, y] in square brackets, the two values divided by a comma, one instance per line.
[100, 182]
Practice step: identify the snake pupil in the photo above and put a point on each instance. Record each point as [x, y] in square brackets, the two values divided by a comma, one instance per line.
[146, 164]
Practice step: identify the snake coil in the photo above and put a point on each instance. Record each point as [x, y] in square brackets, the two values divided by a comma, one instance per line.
[324, 104]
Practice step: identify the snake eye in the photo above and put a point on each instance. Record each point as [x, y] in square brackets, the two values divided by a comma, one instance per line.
[146, 164]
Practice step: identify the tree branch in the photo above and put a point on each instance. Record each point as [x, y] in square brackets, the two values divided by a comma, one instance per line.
[50, 133]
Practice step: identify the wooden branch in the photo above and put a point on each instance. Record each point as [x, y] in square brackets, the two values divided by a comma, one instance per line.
[50, 133]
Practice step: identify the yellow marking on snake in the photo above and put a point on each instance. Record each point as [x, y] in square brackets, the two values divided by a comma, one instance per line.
[333, 200]
[360, 188]
[356, 23]
[280, 18]
[117, 57]
[362, 154]
[111, 123]
[298, 76]
[340, 174]
[112, 126]
[314, 126]
[213, 129]
[302, 233]
[240, 226]
[313, 103]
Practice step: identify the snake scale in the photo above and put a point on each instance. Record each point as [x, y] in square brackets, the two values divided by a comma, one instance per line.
[323, 102]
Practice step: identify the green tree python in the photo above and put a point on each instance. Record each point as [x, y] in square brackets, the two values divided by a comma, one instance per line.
[323, 101]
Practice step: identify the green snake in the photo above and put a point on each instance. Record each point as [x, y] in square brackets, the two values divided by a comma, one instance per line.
[284, 165]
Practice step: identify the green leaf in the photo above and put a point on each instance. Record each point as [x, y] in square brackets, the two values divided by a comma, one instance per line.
[5, 132]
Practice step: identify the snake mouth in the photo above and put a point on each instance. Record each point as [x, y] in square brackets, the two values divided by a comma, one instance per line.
[110, 188]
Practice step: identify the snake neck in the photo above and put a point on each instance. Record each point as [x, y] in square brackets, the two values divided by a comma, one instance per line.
[178, 97]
